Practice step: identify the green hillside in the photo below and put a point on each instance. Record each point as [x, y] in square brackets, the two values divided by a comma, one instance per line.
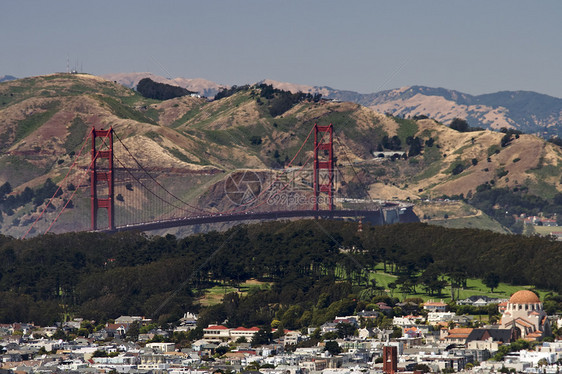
[46, 119]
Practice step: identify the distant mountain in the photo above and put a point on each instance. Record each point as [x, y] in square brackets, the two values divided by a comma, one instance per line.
[527, 111]
[5, 78]
[530, 112]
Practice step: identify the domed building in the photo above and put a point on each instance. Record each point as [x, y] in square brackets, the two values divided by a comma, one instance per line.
[524, 314]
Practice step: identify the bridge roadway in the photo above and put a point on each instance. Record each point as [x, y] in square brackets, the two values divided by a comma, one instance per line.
[373, 216]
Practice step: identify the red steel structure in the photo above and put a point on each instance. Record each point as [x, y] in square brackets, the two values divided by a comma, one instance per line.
[323, 161]
[105, 174]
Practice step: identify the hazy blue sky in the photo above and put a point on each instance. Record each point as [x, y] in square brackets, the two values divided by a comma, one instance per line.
[365, 46]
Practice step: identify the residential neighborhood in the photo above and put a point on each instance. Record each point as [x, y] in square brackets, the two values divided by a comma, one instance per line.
[431, 340]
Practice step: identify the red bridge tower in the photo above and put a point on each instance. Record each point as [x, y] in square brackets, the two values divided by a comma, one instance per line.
[103, 174]
[323, 161]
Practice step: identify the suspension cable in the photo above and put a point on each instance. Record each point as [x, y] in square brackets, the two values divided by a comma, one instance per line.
[148, 189]
[158, 183]
[353, 169]
[60, 184]
[286, 184]
[81, 180]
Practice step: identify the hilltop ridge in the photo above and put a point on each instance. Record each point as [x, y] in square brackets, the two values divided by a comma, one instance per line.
[526, 111]
[47, 118]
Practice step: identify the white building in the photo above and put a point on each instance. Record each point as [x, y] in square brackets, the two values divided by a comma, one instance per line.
[435, 306]
[436, 317]
[243, 332]
[216, 332]
[161, 347]
[407, 320]
[525, 313]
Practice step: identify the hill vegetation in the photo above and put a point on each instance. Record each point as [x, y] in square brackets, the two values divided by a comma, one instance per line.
[160, 91]
[315, 271]
[258, 127]
[525, 111]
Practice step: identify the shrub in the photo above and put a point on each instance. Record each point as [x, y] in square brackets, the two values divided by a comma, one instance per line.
[459, 168]
[255, 140]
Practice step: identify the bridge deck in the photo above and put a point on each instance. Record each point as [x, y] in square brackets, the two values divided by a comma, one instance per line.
[376, 217]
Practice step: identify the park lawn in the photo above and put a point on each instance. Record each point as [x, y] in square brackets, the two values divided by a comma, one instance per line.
[474, 287]
[383, 279]
[546, 230]
[504, 290]
[214, 295]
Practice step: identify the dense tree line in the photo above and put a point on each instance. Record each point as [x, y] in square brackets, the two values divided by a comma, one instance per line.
[461, 125]
[277, 101]
[226, 92]
[314, 276]
[281, 101]
[10, 202]
[160, 91]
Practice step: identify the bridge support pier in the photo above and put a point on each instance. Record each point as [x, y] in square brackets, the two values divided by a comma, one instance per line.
[103, 174]
[323, 165]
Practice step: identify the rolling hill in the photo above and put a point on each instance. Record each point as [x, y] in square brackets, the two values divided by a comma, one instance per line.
[526, 111]
[6, 78]
[194, 143]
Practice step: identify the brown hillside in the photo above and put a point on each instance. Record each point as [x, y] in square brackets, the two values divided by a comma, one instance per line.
[45, 120]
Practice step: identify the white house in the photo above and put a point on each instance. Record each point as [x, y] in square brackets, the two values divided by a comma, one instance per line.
[242, 332]
[433, 306]
[436, 317]
[216, 332]
[406, 320]
[161, 347]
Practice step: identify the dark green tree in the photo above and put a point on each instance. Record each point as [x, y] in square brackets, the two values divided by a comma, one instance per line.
[345, 329]
[333, 347]
[491, 280]
[5, 189]
[263, 336]
[133, 331]
[459, 124]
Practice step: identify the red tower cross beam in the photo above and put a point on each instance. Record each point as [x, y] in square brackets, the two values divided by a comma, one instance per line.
[106, 174]
[323, 162]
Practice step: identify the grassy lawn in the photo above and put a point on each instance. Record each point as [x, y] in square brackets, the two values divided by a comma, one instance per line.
[546, 230]
[214, 295]
[383, 279]
[474, 287]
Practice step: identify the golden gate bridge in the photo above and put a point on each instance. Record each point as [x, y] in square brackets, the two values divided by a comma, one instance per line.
[250, 199]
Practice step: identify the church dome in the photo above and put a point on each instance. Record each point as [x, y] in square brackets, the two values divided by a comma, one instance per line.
[524, 297]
